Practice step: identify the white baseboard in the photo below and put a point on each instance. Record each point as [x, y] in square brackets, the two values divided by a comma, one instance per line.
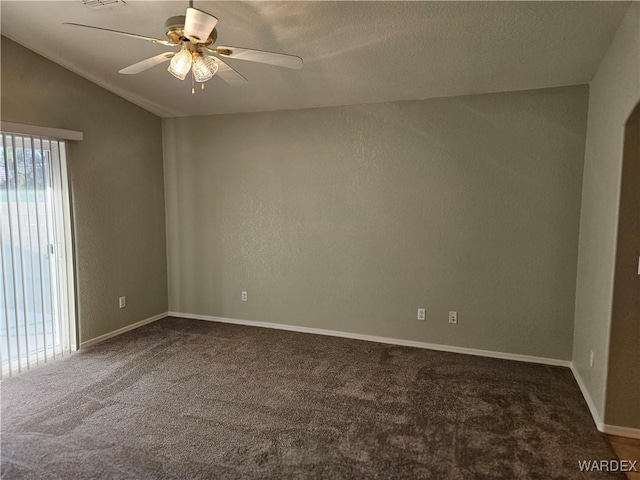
[372, 338]
[587, 398]
[600, 425]
[122, 330]
[621, 431]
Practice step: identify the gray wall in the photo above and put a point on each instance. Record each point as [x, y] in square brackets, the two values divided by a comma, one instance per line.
[117, 186]
[614, 92]
[351, 218]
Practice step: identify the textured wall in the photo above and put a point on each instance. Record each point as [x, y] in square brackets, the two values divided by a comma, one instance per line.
[613, 94]
[351, 218]
[117, 186]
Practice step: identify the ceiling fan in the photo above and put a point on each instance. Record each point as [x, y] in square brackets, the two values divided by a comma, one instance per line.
[195, 34]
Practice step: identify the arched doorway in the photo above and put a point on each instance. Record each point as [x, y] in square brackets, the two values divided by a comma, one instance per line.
[623, 381]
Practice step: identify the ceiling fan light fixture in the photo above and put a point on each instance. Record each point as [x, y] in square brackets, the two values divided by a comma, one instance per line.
[180, 64]
[195, 33]
[204, 67]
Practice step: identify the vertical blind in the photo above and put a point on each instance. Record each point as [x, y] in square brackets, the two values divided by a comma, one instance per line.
[37, 298]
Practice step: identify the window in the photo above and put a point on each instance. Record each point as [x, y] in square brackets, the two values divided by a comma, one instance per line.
[37, 297]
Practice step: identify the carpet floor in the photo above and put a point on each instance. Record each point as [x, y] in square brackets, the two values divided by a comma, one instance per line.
[187, 399]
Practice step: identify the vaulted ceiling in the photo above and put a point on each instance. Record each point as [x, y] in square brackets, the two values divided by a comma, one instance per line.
[354, 52]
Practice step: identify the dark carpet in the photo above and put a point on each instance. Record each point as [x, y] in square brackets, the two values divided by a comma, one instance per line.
[190, 399]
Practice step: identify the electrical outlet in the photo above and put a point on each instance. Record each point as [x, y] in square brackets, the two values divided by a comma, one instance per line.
[245, 296]
[591, 359]
[122, 302]
[453, 317]
[422, 314]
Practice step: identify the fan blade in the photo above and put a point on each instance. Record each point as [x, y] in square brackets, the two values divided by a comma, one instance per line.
[148, 63]
[198, 25]
[279, 59]
[126, 34]
[228, 74]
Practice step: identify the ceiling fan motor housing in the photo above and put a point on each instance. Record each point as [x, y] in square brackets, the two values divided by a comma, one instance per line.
[174, 29]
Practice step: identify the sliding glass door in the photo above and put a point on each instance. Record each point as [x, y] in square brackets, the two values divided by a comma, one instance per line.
[37, 303]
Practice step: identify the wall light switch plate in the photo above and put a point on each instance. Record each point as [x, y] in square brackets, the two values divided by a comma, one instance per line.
[122, 302]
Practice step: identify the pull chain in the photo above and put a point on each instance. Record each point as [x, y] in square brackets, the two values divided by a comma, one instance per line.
[193, 84]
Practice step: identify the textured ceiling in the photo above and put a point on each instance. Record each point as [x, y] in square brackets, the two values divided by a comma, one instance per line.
[354, 52]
